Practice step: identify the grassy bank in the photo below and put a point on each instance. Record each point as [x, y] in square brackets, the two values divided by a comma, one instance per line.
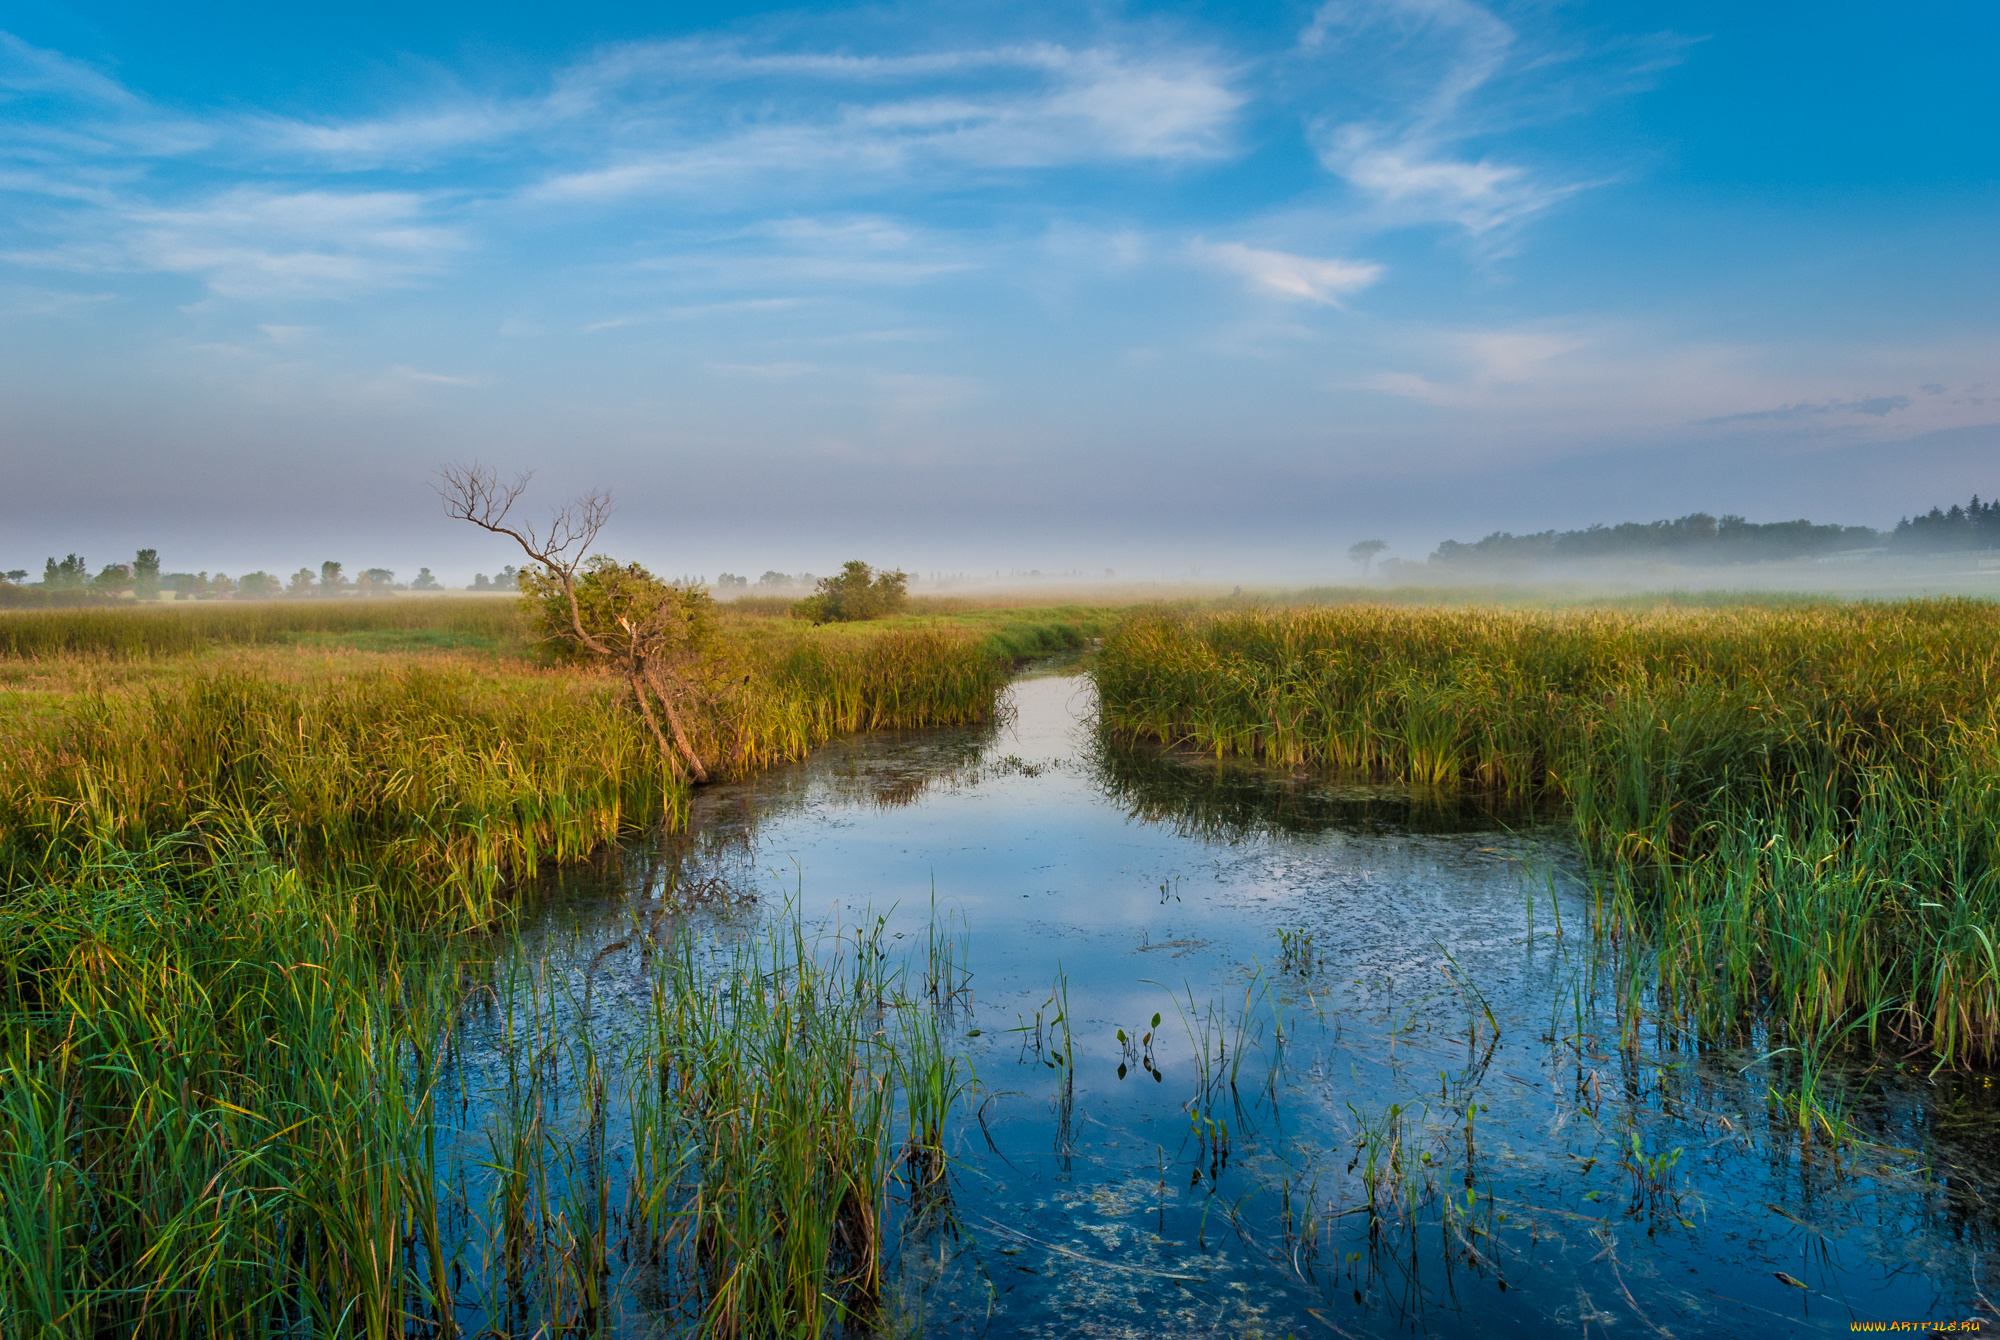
[141, 631]
[484, 624]
[1793, 808]
[228, 1106]
[438, 775]
[252, 861]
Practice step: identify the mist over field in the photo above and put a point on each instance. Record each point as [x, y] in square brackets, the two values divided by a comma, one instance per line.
[1186, 294]
[944, 668]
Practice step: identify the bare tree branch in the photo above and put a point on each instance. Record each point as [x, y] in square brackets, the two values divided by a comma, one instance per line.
[474, 493]
[652, 650]
[646, 710]
[654, 677]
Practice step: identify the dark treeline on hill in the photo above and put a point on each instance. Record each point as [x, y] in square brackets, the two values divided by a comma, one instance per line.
[1701, 538]
[1695, 538]
[1974, 526]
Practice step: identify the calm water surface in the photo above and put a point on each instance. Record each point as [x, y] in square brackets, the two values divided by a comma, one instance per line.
[1393, 984]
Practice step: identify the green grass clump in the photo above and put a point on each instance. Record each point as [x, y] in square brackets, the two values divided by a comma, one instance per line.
[229, 1105]
[1793, 806]
[440, 776]
[769, 1134]
[207, 1122]
[442, 781]
[179, 630]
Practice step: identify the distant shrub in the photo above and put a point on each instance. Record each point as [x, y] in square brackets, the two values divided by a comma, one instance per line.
[859, 592]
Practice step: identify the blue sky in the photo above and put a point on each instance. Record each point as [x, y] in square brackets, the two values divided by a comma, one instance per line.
[976, 287]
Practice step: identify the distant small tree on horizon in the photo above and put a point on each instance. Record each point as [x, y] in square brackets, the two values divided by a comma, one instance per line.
[1364, 553]
[114, 578]
[146, 574]
[68, 575]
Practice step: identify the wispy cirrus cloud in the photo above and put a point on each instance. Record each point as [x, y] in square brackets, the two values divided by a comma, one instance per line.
[251, 242]
[1879, 406]
[1551, 386]
[58, 110]
[1281, 274]
[1430, 83]
[809, 122]
[259, 205]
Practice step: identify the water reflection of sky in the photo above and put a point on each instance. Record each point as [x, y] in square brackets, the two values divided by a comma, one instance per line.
[1552, 1179]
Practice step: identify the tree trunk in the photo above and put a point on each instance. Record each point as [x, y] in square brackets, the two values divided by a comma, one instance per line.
[674, 722]
[646, 710]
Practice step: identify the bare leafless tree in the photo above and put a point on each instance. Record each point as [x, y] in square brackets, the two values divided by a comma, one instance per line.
[645, 653]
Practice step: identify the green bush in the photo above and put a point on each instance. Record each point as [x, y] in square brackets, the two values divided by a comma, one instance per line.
[859, 592]
[612, 600]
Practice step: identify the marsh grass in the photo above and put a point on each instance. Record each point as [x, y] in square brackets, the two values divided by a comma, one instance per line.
[226, 1108]
[205, 1107]
[440, 779]
[1007, 629]
[252, 858]
[177, 630]
[1790, 808]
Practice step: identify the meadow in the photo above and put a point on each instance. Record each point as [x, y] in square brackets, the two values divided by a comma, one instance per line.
[1793, 810]
[264, 866]
[261, 864]
[426, 742]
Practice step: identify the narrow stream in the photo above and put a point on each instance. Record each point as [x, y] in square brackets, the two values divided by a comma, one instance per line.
[1366, 995]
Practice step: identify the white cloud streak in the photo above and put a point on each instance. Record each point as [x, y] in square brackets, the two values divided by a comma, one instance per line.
[835, 120]
[1440, 75]
[264, 206]
[1280, 274]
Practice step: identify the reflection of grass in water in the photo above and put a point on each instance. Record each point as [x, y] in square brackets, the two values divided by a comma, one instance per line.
[1791, 807]
[228, 1107]
[1229, 801]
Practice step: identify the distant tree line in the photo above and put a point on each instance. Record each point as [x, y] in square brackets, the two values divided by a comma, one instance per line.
[69, 581]
[859, 592]
[507, 579]
[1976, 525]
[1694, 538]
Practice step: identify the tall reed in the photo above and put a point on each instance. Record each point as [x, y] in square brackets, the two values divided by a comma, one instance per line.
[227, 1108]
[443, 778]
[1791, 805]
[208, 1121]
[180, 629]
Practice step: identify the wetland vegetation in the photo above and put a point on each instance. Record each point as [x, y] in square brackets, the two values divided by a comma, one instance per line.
[284, 1047]
[1792, 809]
[256, 862]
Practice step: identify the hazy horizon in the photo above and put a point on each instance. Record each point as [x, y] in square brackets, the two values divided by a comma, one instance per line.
[1164, 290]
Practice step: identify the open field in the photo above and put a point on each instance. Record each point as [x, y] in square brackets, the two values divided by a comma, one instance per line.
[258, 864]
[424, 742]
[479, 623]
[261, 868]
[1791, 807]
